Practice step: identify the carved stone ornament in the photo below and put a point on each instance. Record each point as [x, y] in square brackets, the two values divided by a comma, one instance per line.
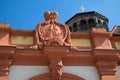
[51, 32]
[55, 55]
[56, 71]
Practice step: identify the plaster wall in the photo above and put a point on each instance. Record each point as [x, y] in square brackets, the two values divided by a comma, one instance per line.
[85, 72]
[22, 40]
[117, 45]
[26, 72]
[81, 42]
[118, 72]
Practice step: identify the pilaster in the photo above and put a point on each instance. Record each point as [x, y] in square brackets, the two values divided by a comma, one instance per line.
[6, 54]
[106, 61]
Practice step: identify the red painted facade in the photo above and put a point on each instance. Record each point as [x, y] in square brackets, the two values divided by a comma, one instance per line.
[102, 53]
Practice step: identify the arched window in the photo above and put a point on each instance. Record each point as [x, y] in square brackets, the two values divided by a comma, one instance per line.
[70, 28]
[83, 25]
[99, 23]
[75, 28]
[83, 22]
[91, 22]
[105, 25]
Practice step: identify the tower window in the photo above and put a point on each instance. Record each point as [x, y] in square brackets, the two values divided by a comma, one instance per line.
[105, 25]
[83, 22]
[99, 23]
[83, 25]
[70, 28]
[91, 22]
[75, 27]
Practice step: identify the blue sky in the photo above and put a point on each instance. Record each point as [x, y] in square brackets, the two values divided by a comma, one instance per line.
[26, 14]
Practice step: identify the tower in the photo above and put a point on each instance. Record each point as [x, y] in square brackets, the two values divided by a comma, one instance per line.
[83, 22]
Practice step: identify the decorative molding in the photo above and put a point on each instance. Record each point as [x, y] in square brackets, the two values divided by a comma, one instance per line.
[106, 62]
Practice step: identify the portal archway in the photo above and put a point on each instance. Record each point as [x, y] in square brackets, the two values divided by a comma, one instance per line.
[65, 76]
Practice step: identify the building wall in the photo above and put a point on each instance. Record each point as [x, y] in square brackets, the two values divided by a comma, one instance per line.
[22, 40]
[26, 72]
[118, 72]
[85, 72]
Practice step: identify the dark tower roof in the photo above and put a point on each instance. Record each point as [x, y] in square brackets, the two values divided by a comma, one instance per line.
[88, 13]
[84, 22]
